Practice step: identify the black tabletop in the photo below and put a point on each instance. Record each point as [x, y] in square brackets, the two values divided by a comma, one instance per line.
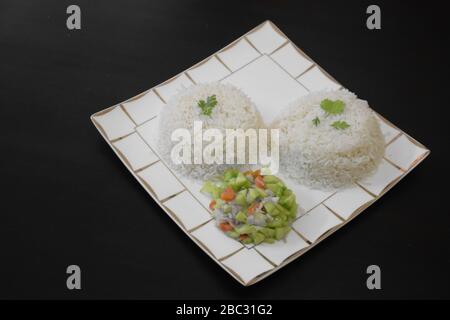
[67, 199]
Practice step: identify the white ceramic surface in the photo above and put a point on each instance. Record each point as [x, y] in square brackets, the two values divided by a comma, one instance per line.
[291, 60]
[316, 222]
[269, 86]
[247, 264]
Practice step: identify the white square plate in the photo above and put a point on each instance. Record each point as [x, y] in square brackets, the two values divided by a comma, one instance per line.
[270, 69]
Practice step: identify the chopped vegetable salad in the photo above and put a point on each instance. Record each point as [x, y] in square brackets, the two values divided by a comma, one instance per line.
[251, 207]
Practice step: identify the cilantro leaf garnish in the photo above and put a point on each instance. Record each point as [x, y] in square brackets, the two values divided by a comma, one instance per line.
[208, 105]
[316, 121]
[332, 107]
[340, 125]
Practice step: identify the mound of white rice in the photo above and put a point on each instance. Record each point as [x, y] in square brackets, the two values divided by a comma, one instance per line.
[234, 110]
[322, 156]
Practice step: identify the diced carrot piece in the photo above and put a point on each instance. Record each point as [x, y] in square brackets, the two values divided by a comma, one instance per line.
[228, 194]
[259, 182]
[243, 237]
[212, 204]
[256, 173]
[252, 208]
[225, 226]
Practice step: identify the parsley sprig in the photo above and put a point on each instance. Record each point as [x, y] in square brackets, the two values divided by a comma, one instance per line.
[208, 105]
[332, 108]
[316, 121]
[340, 125]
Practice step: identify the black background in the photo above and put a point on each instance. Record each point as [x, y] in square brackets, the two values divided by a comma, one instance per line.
[67, 199]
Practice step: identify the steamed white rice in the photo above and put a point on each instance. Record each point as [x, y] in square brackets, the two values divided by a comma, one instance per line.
[233, 110]
[322, 156]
